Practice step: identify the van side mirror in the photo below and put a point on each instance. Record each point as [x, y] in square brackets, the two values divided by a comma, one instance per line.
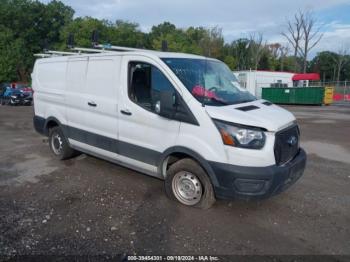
[166, 106]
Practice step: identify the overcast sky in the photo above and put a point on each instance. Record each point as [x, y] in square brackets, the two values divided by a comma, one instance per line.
[237, 18]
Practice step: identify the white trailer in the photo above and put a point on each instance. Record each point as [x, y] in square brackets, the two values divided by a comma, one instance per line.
[254, 80]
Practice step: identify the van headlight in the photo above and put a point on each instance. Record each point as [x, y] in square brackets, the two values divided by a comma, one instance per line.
[240, 136]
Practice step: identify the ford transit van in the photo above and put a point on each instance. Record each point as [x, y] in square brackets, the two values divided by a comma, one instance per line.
[178, 117]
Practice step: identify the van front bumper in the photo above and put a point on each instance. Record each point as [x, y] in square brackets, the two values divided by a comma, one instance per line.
[239, 182]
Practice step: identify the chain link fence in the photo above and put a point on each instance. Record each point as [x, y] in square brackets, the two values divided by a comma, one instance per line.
[341, 91]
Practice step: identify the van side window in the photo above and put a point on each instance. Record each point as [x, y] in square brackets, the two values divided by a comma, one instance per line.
[145, 83]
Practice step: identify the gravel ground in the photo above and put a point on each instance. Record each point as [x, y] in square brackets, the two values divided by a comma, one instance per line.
[87, 206]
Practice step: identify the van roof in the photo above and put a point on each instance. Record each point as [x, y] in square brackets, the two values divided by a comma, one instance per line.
[149, 53]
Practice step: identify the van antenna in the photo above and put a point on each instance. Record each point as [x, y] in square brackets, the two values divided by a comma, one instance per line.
[94, 38]
[70, 41]
[139, 45]
[164, 46]
[45, 45]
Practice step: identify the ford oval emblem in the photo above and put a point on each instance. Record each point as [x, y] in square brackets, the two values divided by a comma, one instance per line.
[292, 141]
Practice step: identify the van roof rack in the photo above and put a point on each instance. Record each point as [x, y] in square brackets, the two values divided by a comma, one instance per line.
[98, 48]
[52, 53]
[42, 55]
[117, 48]
[83, 50]
[60, 52]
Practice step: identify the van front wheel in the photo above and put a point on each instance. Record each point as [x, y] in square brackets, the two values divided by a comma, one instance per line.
[188, 183]
[59, 144]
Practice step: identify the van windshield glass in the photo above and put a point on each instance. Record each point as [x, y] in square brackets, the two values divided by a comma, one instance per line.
[210, 82]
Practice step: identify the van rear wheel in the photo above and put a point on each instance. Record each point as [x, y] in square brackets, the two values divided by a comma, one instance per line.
[188, 183]
[59, 144]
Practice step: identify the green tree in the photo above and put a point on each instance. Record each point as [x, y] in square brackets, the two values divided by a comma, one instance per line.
[240, 50]
[82, 28]
[176, 38]
[26, 26]
[346, 70]
[119, 33]
[195, 36]
[125, 33]
[196, 40]
[56, 16]
[265, 62]
[323, 63]
[162, 29]
[212, 43]
[231, 62]
[289, 64]
[10, 50]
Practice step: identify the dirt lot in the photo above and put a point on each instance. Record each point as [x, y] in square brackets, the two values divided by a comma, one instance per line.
[89, 206]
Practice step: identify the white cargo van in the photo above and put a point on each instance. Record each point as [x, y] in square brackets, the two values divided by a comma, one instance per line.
[179, 117]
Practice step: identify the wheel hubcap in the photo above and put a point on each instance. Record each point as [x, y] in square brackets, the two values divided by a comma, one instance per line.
[187, 188]
[56, 143]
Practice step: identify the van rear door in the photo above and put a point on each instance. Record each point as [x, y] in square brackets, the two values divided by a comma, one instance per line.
[76, 97]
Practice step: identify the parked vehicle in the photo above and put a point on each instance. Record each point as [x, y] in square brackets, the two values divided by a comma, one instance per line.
[5, 94]
[179, 117]
[17, 96]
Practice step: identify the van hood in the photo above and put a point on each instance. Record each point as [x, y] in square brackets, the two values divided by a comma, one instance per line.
[258, 113]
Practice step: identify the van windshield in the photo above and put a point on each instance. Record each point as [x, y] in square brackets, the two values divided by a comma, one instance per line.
[210, 82]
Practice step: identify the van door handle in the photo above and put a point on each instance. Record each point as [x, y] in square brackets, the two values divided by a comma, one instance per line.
[92, 104]
[126, 112]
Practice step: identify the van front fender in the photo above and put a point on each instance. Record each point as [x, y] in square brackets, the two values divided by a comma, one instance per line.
[192, 154]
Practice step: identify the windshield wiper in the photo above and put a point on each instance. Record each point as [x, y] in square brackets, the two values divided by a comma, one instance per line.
[218, 100]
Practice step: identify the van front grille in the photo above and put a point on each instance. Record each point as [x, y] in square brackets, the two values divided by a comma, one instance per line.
[286, 144]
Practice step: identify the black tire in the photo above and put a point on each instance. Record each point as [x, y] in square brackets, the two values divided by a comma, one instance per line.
[207, 198]
[64, 151]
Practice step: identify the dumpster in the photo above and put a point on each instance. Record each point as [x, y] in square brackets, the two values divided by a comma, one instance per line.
[298, 95]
